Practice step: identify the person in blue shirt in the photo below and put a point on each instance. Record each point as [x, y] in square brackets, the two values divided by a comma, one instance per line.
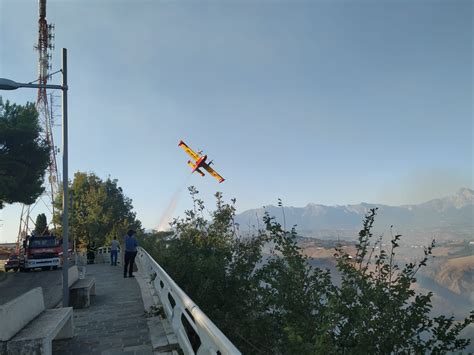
[131, 245]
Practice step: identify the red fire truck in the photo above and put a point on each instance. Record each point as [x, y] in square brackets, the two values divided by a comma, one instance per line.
[43, 252]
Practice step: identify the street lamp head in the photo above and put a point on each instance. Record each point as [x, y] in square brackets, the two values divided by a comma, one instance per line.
[7, 84]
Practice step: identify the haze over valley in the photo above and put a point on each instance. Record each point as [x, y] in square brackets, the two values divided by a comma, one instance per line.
[445, 219]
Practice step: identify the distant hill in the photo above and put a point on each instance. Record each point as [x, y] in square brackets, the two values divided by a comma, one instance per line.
[445, 218]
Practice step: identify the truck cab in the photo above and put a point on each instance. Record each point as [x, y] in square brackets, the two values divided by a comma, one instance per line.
[40, 252]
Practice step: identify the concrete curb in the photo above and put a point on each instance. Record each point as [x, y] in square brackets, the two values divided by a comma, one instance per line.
[143, 283]
[162, 336]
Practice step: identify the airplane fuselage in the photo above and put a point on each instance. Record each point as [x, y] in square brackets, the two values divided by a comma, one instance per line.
[199, 162]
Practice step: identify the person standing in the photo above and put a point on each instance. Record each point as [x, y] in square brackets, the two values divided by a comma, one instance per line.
[114, 246]
[91, 253]
[131, 245]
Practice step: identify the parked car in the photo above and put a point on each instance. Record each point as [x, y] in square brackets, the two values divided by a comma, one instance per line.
[12, 263]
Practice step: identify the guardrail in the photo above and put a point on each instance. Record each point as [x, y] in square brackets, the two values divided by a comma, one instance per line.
[196, 333]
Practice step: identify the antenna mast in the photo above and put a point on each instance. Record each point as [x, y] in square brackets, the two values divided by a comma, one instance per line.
[44, 48]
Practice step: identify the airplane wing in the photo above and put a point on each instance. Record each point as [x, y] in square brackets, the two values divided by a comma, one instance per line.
[188, 150]
[212, 172]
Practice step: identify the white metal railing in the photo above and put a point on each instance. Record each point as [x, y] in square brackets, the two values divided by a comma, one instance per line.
[196, 333]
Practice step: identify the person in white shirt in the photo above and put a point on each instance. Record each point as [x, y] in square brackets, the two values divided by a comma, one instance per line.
[114, 246]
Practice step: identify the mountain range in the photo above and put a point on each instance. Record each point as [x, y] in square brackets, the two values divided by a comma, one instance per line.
[447, 218]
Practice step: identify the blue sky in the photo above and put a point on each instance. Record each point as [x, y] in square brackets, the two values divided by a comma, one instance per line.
[330, 102]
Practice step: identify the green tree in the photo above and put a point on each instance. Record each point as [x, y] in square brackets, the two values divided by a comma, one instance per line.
[295, 294]
[24, 156]
[154, 241]
[41, 225]
[98, 210]
[216, 270]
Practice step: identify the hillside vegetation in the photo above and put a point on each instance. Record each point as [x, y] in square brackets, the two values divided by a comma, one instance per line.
[456, 274]
[264, 295]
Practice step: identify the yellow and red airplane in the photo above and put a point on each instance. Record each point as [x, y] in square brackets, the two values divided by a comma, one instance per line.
[200, 162]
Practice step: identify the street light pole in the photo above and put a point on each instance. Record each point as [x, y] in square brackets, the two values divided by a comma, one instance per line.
[65, 186]
[6, 84]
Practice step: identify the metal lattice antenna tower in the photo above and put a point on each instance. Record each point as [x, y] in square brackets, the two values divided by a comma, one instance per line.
[44, 47]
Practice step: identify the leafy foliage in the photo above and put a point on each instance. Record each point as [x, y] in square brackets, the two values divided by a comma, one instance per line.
[41, 225]
[376, 308]
[154, 242]
[262, 293]
[295, 295]
[210, 264]
[24, 156]
[155, 311]
[98, 210]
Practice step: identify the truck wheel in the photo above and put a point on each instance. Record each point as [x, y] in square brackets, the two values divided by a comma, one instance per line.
[16, 269]
[55, 267]
[44, 268]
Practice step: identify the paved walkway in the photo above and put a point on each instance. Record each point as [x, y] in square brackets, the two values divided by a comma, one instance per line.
[115, 321]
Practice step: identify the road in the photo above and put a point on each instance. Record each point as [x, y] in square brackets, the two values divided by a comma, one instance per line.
[17, 283]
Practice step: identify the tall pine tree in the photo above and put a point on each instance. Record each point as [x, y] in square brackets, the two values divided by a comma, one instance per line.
[24, 156]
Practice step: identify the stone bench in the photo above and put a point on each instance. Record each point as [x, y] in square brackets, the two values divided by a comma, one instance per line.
[26, 327]
[80, 290]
